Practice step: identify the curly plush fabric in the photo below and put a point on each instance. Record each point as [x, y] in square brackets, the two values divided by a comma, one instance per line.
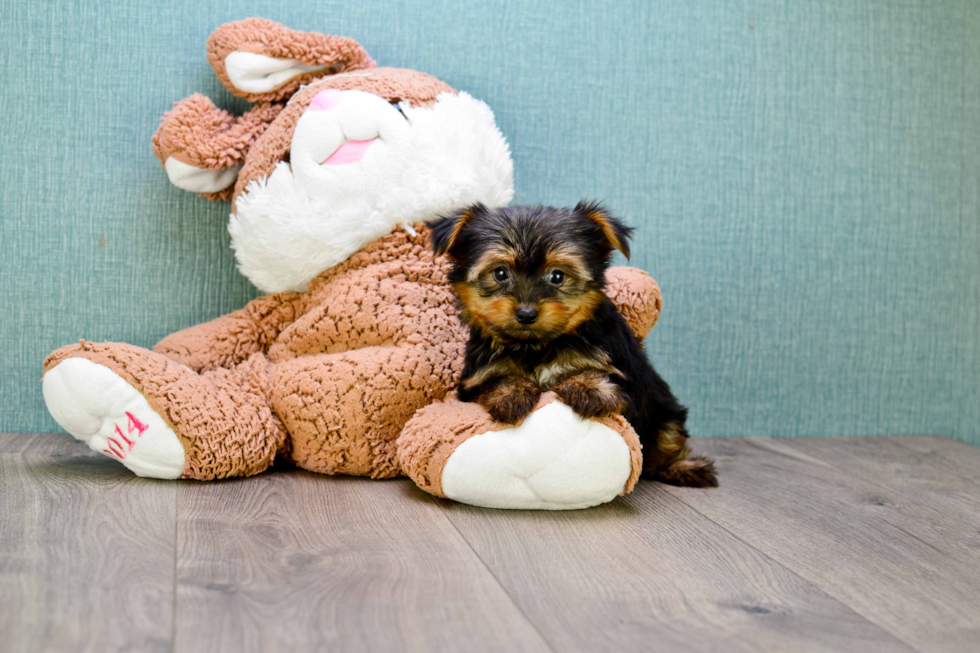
[200, 134]
[433, 435]
[436, 431]
[354, 374]
[231, 339]
[223, 418]
[337, 54]
[380, 326]
[637, 296]
[328, 378]
[392, 292]
[392, 84]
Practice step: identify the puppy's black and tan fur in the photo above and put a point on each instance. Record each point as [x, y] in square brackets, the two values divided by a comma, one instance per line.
[530, 282]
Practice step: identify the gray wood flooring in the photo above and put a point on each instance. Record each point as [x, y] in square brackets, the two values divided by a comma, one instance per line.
[822, 544]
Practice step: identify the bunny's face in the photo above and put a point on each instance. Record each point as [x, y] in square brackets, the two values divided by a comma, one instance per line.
[335, 154]
[369, 151]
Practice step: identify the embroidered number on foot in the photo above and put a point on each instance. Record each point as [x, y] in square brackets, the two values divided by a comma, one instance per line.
[116, 448]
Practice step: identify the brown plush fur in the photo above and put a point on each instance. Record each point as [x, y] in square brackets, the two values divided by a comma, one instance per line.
[392, 84]
[316, 377]
[261, 36]
[330, 378]
[435, 431]
[200, 134]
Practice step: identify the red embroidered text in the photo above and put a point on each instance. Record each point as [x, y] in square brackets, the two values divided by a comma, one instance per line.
[119, 447]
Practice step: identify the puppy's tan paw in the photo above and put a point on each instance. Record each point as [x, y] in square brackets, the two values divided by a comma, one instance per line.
[510, 400]
[591, 394]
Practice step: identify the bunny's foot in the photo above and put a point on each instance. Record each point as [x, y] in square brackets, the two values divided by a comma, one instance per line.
[552, 460]
[95, 405]
[160, 418]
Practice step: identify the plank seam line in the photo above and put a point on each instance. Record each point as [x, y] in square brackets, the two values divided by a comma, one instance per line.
[503, 588]
[173, 635]
[794, 572]
[895, 490]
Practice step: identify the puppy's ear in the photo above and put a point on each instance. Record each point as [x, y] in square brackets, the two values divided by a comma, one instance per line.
[446, 230]
[615, 232]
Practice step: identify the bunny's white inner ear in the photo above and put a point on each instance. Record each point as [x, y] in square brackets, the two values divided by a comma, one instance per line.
[199, 180]
[257, 73]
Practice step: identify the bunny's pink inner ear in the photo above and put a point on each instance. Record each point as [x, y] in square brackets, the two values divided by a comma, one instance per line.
[263, 61]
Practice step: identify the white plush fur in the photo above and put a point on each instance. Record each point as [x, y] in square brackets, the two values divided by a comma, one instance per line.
[307, 217]
[90, 401]
[199, 180]
[553, 461]
[257, 73]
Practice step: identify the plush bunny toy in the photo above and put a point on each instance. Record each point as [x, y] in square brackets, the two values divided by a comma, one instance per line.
[348, 366]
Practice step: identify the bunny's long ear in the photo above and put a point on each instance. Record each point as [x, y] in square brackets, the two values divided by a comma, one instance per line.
[263, 61]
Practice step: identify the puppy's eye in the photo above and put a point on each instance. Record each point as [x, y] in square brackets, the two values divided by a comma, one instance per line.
[556, 278]
[500, 275]
[398, 108]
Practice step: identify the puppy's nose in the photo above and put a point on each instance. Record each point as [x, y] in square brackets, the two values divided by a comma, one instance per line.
[526, 314]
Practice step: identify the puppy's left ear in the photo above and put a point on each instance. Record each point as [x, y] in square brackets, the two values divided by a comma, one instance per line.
[615, 232]
[446, 230]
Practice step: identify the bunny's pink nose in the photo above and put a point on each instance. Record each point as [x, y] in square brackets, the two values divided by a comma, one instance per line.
[327, 99]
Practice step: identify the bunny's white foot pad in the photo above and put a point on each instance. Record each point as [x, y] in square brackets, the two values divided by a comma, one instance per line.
[98, 407]
[553, 460]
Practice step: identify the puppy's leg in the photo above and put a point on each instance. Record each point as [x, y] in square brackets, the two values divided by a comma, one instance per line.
[508, 399]
[591, 393]
[671, 463]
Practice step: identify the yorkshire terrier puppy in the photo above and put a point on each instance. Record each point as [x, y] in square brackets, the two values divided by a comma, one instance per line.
[530, 282]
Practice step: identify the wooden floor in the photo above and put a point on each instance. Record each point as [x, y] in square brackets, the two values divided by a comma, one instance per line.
[829, 544]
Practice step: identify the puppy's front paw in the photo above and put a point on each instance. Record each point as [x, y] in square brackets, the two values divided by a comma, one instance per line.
[591, 394]
[510, 400]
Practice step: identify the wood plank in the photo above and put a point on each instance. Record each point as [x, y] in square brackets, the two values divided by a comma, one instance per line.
[648, 573]
[38, 443]
[959, 458]
[900, 564]
[291, 560]
[86, 553]
[956, 450]
[938, 472]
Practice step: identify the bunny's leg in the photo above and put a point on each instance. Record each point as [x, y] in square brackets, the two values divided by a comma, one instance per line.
[552, 460]
[344, 411]
[229, 340]
[161, 419]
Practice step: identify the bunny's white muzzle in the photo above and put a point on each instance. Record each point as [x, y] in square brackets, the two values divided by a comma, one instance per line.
[359, 167]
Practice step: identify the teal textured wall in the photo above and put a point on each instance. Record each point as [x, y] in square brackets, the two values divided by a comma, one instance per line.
[805, 177]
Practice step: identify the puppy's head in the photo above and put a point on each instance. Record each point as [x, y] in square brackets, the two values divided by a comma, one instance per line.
[529, 273]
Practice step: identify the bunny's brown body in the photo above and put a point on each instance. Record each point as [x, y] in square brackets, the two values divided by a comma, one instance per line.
[341, 368]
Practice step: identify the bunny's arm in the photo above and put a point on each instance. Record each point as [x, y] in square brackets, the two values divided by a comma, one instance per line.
[637, 296]
[202, 147]
[228, 340]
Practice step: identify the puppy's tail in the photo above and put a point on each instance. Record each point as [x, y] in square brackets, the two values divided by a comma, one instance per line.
[672, 463]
